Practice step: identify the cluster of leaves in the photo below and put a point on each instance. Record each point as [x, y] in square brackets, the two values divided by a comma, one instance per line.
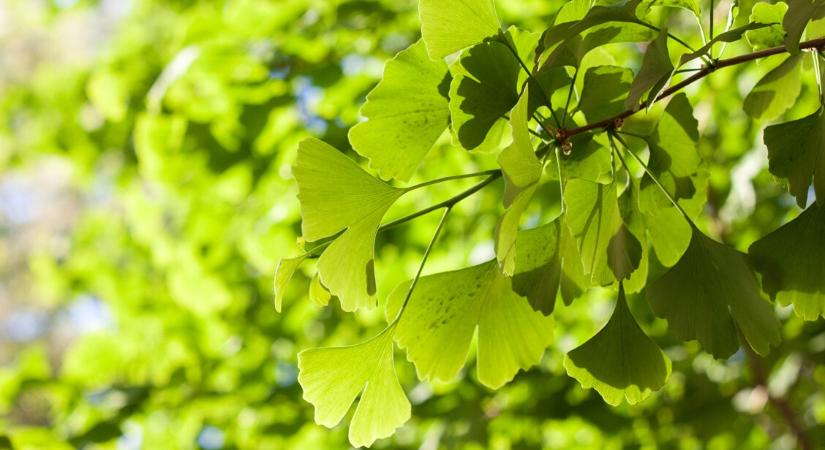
[631, 189]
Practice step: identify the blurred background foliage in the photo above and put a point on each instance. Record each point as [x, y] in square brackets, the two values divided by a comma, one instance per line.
[146, 195]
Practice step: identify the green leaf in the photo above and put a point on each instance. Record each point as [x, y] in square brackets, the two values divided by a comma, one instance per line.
[333, 377]
[597, 15]
[624, 253]
[592, 215]
[799, 13]
[518, 162]
[567, 43]
[690, 5]
[796, 151]
[590, 160]
[604, 91]
[406, 113]
[485, 87]
[790, 261]
[522, 171]
[335, 195]
[773, 35]
[283, 273]
[653, 75]
[776, 91]
[448, 26]
[443, 313]
[547, 261]
[732, 35]
[709, 294]
[318, 294]
[674, 140]
[620, 361]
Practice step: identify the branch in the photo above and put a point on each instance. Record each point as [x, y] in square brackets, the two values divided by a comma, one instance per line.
[703, 72]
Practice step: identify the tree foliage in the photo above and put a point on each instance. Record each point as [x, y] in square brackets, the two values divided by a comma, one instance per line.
[490, 224]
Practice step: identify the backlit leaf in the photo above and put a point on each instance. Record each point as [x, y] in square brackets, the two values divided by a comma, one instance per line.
[653, 75]
[790, 260]
[592, 215]
[443, 313]
[333, 377]
[799, 13]
[448, 26]
[776, 91]
[773, 35]
[406, 113]
[283, 273]
[796, 151]
[336, 195]
[522, 170]
[620, 361]
[710, 294]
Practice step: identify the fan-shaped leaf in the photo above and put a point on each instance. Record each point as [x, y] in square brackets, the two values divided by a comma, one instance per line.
[791, 262]
[335, 195]
[620, 361]
[796, 151]
[709, 294]
[446, 308]
[406, 113]
[776, 91]
[333, 377]
[448, 26]
[283, 273]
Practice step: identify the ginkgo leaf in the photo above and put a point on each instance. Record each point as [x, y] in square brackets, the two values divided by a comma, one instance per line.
[590, 160]
[771, 36]
[283, 273]
[796, 151]
[518, 161]
[731, 35]
[485, 86]
[690, 5]
[776, 91]
[406, 113]
[333, 377]
[448, 26]
[592, 215]
[710, 294]
[336, 195]
[653, 75]
[547, 262]
[318, 294]
[604, 91]
[799, 13]
[674, 140]
[790, 260]
[522, 170]
[624, 253]
[620, 361]
[443, 313]
[567, 43]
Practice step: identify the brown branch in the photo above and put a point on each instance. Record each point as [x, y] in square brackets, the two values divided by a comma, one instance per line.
[703, 72]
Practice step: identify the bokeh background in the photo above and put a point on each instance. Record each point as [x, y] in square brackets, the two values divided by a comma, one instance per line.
[146, 196]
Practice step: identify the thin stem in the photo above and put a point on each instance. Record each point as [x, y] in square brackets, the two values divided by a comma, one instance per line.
[450, 202]
[569, 96]
[705, 71]
[611, 136]
[561, 180]
[423, 262]
[672, 37]
[450, 178]
[521, 62]
[711, 26]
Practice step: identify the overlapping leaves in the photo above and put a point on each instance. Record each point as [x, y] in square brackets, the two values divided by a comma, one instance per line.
[617, 222]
